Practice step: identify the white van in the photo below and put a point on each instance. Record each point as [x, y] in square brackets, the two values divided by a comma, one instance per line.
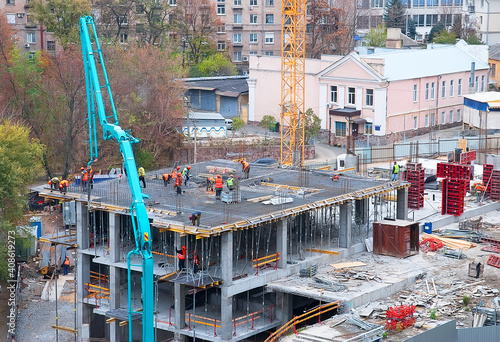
[229, 124]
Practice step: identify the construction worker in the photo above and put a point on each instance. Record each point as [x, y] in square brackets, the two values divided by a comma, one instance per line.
[174, 174]
[142, 174]
[166, 179]
[210, 183]
[395, 171]
[195, 218]
[85, 179]
[479, 191]
[245, 167]
[218, 186]
[181, 255]
[66, 265]
[196, 262]
[185, 174]
[91, 177]
[178, 183]
[54, 183]
[335, 177]
[63, 186]
[230, 183]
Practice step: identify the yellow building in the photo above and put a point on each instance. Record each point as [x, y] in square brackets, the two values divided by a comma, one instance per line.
[494, 62]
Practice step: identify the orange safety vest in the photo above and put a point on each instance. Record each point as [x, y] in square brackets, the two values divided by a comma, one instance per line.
[245, 165]
[85, 177]
[218, 183]
[196, 262]
[178, 180]
[66, 262]
[166, 176]
[182, 256]
[63, 184]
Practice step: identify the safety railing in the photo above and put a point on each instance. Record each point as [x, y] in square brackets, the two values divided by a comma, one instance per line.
[321, 309]
[98, 278]
[97, 292]
[264, 262]
[212, 322]
[252, 317]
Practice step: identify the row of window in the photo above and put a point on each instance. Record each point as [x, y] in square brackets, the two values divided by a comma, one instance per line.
[430, 88]
[254, 19]
[429, 20]
[253, 2]
[351, 96]
[237, 55]
[413, 3]
[253, 38]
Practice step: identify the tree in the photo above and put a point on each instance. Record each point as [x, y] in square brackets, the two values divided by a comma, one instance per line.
[113, 18]
[435, 30]
[20, 164]
[376, 37]
[444, 37]
[61, 17]
[217, 65]
[312, 125]
[268, 122]
[238, 124]
[412, 29]
[394, 14]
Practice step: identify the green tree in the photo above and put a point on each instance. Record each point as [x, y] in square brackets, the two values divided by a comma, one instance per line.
[435, 30]
[412, 29]
[444, 37]
[217, 65]
[473, 39]
[376, 37]
[20, 164]
[61, 17]
[268, 122]
[312, 125]
[238, 124]
[394, 14]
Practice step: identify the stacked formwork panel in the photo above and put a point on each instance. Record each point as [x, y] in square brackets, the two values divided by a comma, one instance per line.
[487, 170]
[455, 183]
[495, 185]
[415, 175]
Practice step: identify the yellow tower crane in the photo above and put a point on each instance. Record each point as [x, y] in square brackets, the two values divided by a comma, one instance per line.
[293, 30]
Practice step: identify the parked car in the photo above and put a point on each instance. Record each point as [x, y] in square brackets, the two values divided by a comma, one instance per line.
[265, 161]
[229, 124]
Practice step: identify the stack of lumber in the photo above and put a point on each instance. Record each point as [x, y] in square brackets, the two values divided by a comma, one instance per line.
[219, 169]
[451, 243]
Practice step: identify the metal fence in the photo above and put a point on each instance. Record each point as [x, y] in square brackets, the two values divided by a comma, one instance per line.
[417, 149]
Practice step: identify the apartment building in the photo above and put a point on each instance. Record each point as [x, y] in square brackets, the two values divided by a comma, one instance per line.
[29, 36]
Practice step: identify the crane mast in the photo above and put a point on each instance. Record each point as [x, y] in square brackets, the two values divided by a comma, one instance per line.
[292, 81]
[112, 131]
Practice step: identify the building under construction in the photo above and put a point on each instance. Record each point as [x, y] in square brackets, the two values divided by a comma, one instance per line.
[279, 222]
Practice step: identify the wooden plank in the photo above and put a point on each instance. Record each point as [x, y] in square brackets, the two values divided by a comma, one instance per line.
[58, 327]
[322, 251]
[342, 265]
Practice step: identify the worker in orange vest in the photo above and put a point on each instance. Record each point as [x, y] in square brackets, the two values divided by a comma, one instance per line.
[181, 255]
[178, 183]
[218, 186]
[91, 177]
[335, 177]
[85, 179]
[66, 265]
[245, 167]
[53, 182]
[166, 179]
[196, 262]
[63, 186]
[479, 192]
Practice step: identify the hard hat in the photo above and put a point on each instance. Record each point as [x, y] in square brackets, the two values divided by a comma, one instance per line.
[178, 167]
[231, 175]
[189, 167]
[218, 176]
[183, 247]
[82, 168]
[190, 217]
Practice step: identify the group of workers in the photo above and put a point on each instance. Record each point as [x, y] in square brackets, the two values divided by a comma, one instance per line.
[181, 256]
[56, 183]
[178, 177]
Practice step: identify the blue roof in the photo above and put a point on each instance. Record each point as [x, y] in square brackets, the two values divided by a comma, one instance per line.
[410, 64]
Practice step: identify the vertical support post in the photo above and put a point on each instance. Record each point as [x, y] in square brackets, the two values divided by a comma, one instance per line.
[114, 237]
[361, 210]
[114, 299]
[283, 307]
[227, 277]
[282, 242]
[402, 204]
[345, 238]
[83, 271]
[180, 309]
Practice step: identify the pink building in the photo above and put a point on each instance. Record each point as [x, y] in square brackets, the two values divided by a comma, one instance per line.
[378, 93]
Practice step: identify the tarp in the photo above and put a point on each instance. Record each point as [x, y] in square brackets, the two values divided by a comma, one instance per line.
[488, 101]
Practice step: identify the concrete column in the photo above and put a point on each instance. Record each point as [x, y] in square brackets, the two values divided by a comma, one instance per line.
[251, 98]
[284, 306]
[226, 254]
[226, 329]
[345, 216]
[114, 237]
[180, 306]
[282, 242]
[402, 204]
[83, 310]
[361, 210]
[82, 229]
[323, 99]
[114, 301]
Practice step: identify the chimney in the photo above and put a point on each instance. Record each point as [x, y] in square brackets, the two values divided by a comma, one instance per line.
[393, 40]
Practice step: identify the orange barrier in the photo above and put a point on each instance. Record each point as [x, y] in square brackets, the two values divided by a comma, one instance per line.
[167, 255]
[97, 292]
[264, 261]
[302, 318]
[251, 317]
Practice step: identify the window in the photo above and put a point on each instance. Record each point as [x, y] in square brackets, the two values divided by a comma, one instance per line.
[427, 120]
[432, 19]
[363, 22]
[459, 88]
[477, 83]
[448, 20]
[493, 67]
[377, 3]
[123, 38]
[253, 18]
[31, 38]
[333, 94]
[427, 91]
[237, 38]
[172, 2]
[237, 56]
[452, 88]
[11, 19]
[269, 37]
[443, 118]
[237, 2]
[253, 2]
[269, 53]
[11, 2]
[237, 18]
[432, 90]
[269, 2]
[459, 3]
[252, 53]
[418, 3]
[433, 120]
[432, 3]
[253, 38]
[459, 116]
[368, 128]
[123, 20]
[443, 89]
[446, 2]
[482, 83]
[340, 128]
[419, 20]
[351, 96]
[451, 116]
[51, 45]
[369, 97]
[415, 122]
[221, 45]
[375, 21]
[269, 18]
[221, 28]
[221, 7]
[415, 93]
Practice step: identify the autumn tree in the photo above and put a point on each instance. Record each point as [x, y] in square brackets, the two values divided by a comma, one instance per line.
[312, 124]
[444, 37]
[435, 30]
[394, 14]
[113, 18]
[216, 65]
[376, 37]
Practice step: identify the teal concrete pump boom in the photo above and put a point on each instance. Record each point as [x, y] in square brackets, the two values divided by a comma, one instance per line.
[112, 131]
